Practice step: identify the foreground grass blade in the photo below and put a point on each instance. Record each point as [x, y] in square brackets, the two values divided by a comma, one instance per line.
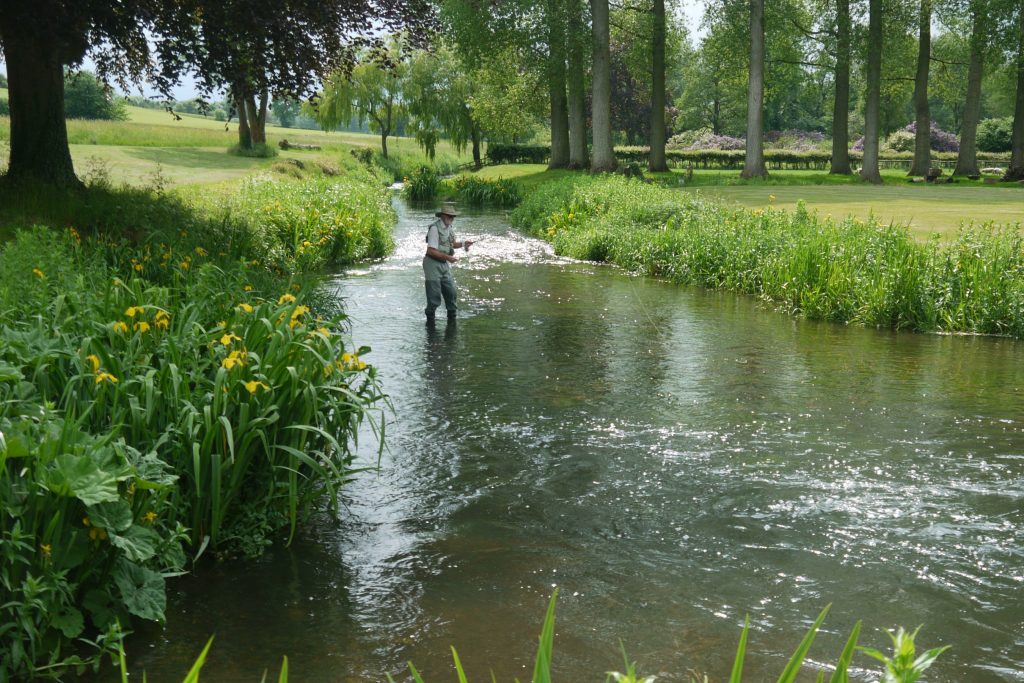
[842, 666]
[796, 661]
[741, 651]
[542, 665]
[193, 673]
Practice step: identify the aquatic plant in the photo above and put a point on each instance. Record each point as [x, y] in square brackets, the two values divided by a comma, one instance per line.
[849, 271]
[155, 397]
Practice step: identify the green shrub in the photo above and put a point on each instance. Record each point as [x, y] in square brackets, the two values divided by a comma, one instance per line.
[421, 185]
[901, 141]
[995, 135]
[5, 108]
[86, 97]
[472, 190]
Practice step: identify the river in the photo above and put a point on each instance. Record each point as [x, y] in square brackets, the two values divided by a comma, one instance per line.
[670, 459]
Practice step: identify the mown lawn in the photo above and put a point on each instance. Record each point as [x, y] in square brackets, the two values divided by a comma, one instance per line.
[926, 209]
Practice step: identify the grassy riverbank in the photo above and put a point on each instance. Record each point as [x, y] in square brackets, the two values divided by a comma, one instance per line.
[172, 382]
[850, 270]
[925, 209]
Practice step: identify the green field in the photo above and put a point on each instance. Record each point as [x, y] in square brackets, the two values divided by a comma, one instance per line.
[192, 150]
[925, 209]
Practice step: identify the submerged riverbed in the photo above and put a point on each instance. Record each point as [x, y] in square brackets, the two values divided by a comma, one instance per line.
[670, 459]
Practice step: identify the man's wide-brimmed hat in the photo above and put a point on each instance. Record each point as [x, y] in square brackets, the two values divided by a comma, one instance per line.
[446, 211]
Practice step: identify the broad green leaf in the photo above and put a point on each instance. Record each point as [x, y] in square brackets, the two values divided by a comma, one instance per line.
[141, 589]
[152, 472]
[79, 476]
[69, 620]
[139, 543]
[114, 517]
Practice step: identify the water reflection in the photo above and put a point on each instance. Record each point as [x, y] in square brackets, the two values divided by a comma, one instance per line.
[671, 459]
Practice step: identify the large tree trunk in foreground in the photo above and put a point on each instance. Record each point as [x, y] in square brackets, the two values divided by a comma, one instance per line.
[657, 161]
[753, 166]
[922, 116]
[967, 159]
[841, 105]
[1016, 170]
[556, 86]
[577, 81]
[869, 170]
[603, 159]
[258, 117]
[35, 82]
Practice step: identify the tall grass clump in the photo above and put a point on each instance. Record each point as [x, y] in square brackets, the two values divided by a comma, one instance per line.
[472, 190]
[849, 271]
[306, 224]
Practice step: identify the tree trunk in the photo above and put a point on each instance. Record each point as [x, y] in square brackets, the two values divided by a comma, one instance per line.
[967, 159]
[244, 132]
[258, 117]
[869, 170]
[841, 104]
[922, 116]
[753, 166]
[603, 160]
[576, 78]
[556, 86]
[475, 137]
[39, 135]
[1016, 170]
[657, 160]
[384, 142]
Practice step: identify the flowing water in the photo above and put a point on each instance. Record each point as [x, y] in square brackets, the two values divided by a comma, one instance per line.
[670, 459]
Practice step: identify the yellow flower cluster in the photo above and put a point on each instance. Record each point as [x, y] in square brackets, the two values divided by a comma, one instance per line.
[101, 375]
[162, 320]
[235, 358]
[38, 273]
[95, 533]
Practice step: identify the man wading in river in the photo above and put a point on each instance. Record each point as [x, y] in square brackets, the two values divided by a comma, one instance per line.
[437, 273]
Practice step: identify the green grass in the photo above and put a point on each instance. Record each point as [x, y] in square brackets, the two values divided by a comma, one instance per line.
[925, 209]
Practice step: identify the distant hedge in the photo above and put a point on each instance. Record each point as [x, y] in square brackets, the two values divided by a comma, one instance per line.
[717, 158]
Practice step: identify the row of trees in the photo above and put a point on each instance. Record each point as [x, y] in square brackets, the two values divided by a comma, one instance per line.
[987, 22]
[838, 66]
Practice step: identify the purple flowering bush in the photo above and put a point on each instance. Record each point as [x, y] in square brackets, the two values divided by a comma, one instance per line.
[941, 140]
[796, 140]
[705, 139]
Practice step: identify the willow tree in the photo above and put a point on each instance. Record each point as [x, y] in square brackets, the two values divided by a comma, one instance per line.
[753, 165]
[869, 168]
[438, 92]
[371, 93]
